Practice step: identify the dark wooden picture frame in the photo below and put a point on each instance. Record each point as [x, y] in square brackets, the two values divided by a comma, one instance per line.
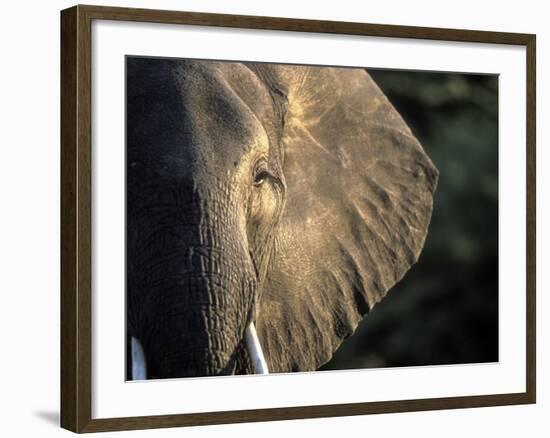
[76, 218]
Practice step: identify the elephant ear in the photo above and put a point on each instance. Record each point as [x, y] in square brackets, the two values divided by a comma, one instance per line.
[358, 204]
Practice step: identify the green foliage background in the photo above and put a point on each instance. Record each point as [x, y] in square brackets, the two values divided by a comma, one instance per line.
[445, 310]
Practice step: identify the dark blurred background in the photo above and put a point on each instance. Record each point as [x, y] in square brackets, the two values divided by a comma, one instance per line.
[445, 309]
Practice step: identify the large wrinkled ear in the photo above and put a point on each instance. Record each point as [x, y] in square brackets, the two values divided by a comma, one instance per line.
[358, 205]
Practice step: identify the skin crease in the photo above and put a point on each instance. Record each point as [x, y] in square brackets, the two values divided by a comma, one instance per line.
[294, 197]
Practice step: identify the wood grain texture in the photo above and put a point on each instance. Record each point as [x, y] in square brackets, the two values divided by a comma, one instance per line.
[75, 220]
[69, 328]
[531, 219]
[299, 25]
[76, 224]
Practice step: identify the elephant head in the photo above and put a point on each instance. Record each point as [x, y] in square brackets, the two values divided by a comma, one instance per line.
[293, 197]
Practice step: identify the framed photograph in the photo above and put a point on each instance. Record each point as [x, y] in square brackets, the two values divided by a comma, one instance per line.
[267, 218]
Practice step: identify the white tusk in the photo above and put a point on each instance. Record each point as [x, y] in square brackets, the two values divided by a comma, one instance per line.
[255, 350]
[139, 368]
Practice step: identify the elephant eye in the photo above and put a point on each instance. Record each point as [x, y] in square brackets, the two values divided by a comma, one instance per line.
[260, 172]
[260, 177]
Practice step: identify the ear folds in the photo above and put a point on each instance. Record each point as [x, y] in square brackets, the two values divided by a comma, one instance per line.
[358, 205]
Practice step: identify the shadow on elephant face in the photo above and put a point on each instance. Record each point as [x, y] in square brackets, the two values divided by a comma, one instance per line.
[292, 197]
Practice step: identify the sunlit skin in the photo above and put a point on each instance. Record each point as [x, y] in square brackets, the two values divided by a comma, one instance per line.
[290, 197]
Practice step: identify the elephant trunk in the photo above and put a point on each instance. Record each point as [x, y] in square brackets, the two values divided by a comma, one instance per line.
[194, 300]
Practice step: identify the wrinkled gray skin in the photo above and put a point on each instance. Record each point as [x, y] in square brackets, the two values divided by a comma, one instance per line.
[291, 196]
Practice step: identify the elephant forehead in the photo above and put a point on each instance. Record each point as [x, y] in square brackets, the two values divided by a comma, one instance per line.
[187, 116]
[224, 106]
